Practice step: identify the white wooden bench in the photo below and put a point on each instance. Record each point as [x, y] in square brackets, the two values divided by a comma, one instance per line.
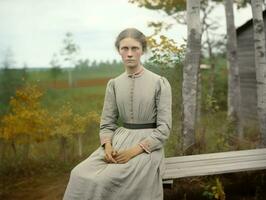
[213, 163]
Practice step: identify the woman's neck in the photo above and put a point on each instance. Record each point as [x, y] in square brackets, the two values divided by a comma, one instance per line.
[134, 69]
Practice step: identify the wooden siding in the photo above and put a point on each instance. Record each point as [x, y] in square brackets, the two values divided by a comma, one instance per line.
[247, 75]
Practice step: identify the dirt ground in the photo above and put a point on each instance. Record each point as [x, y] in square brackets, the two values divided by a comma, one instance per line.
[37, 188]
[52, 187]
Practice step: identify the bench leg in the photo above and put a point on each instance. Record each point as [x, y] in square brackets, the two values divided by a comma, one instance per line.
[168, 184]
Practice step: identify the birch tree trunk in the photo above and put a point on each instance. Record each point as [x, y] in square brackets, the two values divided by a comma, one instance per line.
[80, 145]
[260, 63]
[63, 151]
[234, 94]
[190, 74]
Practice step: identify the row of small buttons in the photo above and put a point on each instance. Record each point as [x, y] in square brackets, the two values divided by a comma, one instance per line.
[131, 97]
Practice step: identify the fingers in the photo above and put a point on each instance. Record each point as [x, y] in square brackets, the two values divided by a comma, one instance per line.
[106, 158]
[109, 158]
[121, 158]
[114, 153]
[109, 154]
[117, 157]
[112, 159]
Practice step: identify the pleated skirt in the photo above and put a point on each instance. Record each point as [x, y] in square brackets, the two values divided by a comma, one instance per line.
[138, 179]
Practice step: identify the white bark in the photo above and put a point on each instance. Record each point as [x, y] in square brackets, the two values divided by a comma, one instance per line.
[260, 63]
[190, 73]
[234, 94]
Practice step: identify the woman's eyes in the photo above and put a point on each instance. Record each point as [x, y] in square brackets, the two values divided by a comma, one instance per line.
[133, 48]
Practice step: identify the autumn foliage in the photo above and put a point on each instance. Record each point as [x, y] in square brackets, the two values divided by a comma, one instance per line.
[29, 122]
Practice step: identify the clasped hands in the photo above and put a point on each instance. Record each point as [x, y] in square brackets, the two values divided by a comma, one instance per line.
[120, 157]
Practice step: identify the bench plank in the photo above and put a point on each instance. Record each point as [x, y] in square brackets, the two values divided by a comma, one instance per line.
[214, 163]
[217, 161]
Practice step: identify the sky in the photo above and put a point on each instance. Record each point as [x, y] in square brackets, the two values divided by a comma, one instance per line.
[34, 30]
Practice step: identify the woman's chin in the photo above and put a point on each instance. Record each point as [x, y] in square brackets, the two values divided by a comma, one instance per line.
[131, 65]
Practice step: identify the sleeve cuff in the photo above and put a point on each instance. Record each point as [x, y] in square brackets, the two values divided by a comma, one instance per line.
[105, 140]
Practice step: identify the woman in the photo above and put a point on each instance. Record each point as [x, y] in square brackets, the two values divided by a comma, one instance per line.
[129, 163]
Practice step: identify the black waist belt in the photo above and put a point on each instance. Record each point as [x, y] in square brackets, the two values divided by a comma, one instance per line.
[139, 126]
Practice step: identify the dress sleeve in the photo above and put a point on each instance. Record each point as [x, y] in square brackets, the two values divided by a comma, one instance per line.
[164, 117]
[109, 114]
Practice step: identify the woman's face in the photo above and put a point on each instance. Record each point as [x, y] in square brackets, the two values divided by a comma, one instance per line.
[131, 52]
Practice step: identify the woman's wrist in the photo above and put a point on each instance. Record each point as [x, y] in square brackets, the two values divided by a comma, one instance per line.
[137, 150]
[107, 144]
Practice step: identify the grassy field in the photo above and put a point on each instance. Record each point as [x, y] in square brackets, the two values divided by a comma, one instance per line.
[77, 74]
[82, 100]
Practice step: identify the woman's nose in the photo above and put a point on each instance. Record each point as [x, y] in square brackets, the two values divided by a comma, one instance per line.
[129, 53]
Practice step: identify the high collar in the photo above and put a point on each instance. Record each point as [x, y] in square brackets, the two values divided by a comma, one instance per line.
[136, 74]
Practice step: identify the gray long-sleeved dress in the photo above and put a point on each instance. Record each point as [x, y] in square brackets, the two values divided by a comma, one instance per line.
[139, 98]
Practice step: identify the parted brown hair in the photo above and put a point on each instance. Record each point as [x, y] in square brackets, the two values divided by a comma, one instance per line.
[132, 33]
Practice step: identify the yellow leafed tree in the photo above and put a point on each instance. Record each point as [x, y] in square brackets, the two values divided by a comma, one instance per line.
[27, 121]
[81, 124]
[63, 127]
[68, 125]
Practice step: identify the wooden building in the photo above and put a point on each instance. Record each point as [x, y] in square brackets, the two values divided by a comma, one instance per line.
[246, 61]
